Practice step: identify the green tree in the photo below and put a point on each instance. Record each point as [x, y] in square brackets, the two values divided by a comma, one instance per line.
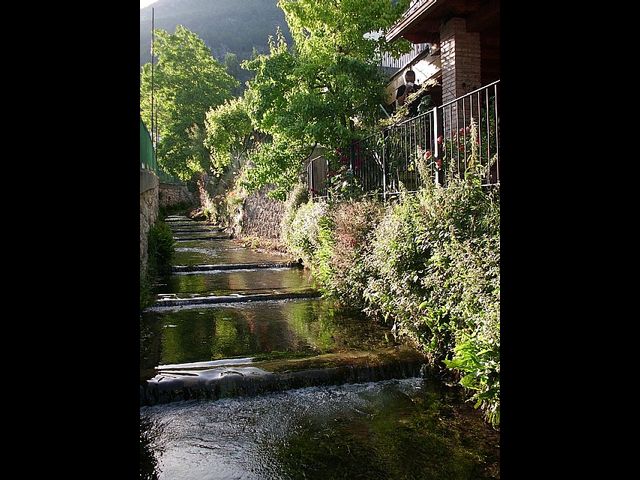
[324, 91]
[233, 68]
[229, 133]
[188, 82]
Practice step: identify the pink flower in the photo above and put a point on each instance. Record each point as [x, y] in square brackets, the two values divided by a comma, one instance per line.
[427, 155]
[439, 164]
[440, 139]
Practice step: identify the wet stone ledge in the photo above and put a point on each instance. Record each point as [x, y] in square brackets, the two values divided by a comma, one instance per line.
[276, 375]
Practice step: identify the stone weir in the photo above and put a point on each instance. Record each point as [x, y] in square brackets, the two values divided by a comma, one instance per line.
[234, 266]
[230, 321]
[194, 299]
[258, 375]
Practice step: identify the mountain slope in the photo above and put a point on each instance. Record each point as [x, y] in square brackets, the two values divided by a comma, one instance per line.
[225, 25]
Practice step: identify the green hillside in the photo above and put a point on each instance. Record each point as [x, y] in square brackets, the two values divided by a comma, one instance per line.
[236, 26]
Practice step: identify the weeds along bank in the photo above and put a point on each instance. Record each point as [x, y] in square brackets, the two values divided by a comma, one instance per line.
[161, 248]
[426, 264]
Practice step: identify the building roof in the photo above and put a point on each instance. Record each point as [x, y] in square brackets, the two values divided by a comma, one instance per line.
[421, 22]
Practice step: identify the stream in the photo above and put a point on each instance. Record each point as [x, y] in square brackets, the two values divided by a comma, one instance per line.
[246, 373]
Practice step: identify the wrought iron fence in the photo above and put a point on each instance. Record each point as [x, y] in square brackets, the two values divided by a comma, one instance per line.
[424, 148]
[481, 105]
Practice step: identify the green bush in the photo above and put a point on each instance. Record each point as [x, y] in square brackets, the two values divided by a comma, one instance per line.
[299, 195]
[437, 258]
[428, 264]
[161, 248]
[353, 223]
[302, 236]
[146, 291]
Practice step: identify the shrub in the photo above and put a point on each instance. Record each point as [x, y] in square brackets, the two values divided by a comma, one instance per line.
[429, 264]
[437, 258]
[302, 237]
[297, 196]
[161, 248]
[353, 224]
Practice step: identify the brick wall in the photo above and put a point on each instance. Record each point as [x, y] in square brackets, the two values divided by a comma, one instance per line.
[460, 56]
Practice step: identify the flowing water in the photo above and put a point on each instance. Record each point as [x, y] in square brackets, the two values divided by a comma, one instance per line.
[249, 359]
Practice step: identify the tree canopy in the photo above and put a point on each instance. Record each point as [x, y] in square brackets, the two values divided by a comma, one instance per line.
[228, 133]
[324, 90]
[188, 82]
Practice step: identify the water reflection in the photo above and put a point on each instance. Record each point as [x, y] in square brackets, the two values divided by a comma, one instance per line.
[203, 252]
[264, 280]
[296, 326]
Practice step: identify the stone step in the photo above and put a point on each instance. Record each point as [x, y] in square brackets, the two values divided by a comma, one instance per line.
[172, 301]
[249, 378]
[185, 223]
[234, 266]
[197, 230]
[190, 239]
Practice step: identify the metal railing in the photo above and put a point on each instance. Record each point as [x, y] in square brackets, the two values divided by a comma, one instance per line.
[388, 61]
[414, 5]
[481, 105]
[148, 158]
[147, 155]
[425, 148]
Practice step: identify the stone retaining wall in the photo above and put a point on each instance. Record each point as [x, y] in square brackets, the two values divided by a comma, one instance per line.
[148, 212]
[262, 215]
[170, 195]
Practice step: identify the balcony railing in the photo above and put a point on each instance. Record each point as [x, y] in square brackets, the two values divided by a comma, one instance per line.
[414, 5]
[388, 61]
[426, 148]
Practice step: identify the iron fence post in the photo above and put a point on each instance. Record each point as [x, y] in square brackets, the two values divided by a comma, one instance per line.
[436, 147]
[384, 165]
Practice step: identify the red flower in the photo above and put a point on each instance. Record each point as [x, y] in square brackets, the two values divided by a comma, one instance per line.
[440, 139]
[439, 164]
[427, 155]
